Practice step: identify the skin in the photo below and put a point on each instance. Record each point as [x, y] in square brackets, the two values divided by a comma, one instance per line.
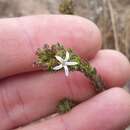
[25, 97]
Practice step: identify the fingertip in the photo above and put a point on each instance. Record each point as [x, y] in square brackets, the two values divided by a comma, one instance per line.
[113, 104]
[92, 37]
[120, 95]
[113, 66]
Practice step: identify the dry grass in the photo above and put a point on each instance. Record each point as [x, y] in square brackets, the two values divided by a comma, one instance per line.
[116, 26]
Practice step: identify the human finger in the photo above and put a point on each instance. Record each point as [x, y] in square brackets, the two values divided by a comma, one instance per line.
[37, 94]
[20, 38]
[109, 110]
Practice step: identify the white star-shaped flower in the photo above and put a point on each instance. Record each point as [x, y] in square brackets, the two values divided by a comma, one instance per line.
[64, 63]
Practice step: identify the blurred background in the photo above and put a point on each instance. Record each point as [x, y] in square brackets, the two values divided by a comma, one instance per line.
[111, 16]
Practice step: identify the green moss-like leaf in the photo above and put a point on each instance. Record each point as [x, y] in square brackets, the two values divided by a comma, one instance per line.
[46, 59]
[66, 7]
[65, 105]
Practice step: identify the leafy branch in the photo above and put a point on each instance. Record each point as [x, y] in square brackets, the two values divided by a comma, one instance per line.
[46, 59]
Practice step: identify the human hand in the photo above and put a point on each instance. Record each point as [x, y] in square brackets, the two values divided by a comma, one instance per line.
[26, 97]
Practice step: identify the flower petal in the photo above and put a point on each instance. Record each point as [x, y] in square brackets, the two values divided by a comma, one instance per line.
[58, 67]
[66, 70]
[59, 59]
[71, 63]
[67, 56]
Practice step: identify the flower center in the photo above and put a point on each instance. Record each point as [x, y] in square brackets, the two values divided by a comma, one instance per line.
[63, 63]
